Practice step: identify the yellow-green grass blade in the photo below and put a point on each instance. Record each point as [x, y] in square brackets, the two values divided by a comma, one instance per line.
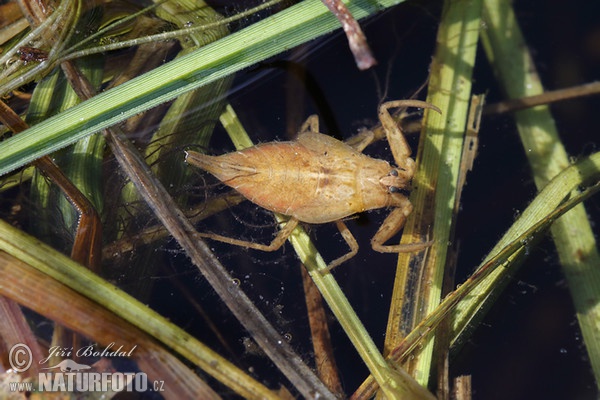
[436, 180]
[543, 211]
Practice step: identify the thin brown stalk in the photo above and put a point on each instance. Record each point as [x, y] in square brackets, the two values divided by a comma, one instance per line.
[321, 339]
[356, 38]
[34, 11]
[240, 305]
[553, 96]
[88, 238]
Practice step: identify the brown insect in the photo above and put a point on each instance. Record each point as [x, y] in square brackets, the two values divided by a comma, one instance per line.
[318, 179]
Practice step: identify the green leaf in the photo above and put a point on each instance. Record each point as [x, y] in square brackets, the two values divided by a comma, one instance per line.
[271, 36]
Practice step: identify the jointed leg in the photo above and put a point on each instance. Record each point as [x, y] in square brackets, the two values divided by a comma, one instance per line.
[398, 145]
[277, 242]
[358, 141]
[391, 225]
[310, 125]
[361, 140]
[349, 238]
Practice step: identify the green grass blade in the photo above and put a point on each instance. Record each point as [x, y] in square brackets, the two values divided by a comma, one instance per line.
[283, 31]
[82, 163]
[572, 234]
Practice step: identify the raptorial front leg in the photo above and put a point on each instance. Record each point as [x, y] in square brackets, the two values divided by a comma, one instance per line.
[398, 145]
[392, 225]
[277, 242]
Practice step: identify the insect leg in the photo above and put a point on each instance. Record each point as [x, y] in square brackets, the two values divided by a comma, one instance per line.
[391, 225]
[310, 125]
[361, 140]
[277, 242]
[349, 238]
[398, 145]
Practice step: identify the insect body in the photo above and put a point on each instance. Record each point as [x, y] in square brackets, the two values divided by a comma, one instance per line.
[318, 179]
[315, 179]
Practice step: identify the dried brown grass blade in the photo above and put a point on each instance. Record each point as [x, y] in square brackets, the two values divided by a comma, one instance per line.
[48, 297]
